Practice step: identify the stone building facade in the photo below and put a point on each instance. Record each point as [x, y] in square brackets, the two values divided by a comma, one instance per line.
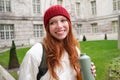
[22, 20]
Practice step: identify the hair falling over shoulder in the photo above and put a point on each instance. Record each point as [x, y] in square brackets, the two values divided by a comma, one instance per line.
[55, 48]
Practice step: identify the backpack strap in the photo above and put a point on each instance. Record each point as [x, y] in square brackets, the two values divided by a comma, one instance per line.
[43, 65]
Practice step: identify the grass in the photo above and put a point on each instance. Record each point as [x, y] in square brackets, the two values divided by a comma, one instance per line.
[4, 60]
[4, 57]
[101, 53]
[114, 69]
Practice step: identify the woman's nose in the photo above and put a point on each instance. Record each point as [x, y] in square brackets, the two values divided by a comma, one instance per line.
[59, 24]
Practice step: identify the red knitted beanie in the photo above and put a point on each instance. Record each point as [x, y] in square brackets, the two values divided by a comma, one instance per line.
[54, 11]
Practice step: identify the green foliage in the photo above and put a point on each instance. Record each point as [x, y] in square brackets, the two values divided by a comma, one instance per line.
[13, 60]
[4, 59]
[101, 53]
[114, 69]
[84, 38]
[13, 47]
[4, 56]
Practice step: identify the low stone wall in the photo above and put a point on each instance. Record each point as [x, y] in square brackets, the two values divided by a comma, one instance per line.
[4, 75]
[100, 36]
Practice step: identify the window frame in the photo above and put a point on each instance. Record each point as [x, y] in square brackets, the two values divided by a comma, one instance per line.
[5, 5]
[78, 8]
[59, 2]
[38, 30]
[79, 29]
[7, 31]
[94, 27]
[114, 26]
[36, 6]
[116, 5]
[93, 7]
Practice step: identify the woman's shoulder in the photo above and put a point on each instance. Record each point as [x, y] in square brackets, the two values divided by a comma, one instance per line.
[36, 50]
[36, 46]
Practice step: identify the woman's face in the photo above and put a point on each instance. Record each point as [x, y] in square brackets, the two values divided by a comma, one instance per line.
[59, 27]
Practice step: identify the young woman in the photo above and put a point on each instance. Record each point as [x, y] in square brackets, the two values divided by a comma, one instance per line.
[62, 49]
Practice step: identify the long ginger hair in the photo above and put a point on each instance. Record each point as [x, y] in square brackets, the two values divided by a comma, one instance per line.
[55, 48]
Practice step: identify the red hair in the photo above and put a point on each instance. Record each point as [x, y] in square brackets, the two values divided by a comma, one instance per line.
[55, 48]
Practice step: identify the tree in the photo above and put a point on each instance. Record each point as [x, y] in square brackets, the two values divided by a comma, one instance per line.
[105, 37]
[84, 38]
[13, 60]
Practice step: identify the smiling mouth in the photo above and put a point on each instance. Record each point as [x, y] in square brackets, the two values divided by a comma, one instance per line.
[60, 32]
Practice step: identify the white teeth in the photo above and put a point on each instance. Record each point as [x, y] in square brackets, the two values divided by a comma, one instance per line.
[60, 32]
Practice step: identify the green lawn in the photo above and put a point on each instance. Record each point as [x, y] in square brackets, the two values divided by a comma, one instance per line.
[4, 59]
[101, 53]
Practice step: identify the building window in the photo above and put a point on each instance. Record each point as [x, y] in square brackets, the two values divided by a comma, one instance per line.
[36, 6]
[5, 6]
[114, 26]
[6, 31]
[93, 5]
[78, 9]
[94, 28]
[116, 5]
[79, 29]
[59, 2]
[38, 30]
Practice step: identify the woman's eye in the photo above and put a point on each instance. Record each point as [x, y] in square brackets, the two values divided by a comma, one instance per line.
[51, 23]
[63, 20]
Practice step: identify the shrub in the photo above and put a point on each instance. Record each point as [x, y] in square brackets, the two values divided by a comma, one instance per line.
[105, 37]
[114, 69]
[84, 38]
[13, 60]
